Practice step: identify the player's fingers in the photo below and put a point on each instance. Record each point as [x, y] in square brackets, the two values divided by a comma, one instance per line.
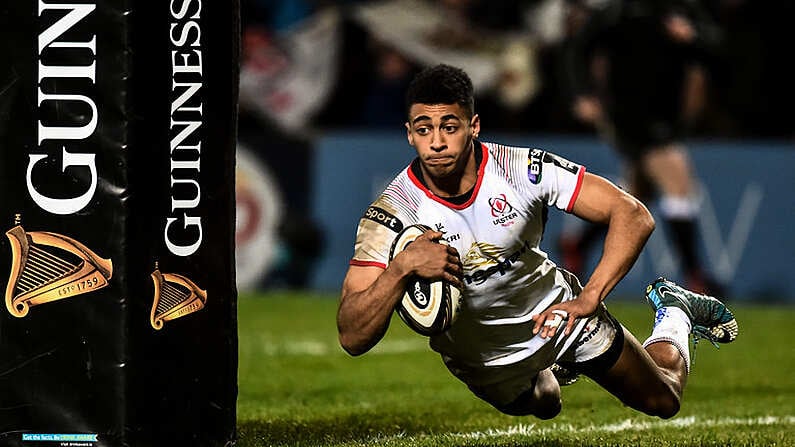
[454, 269]
[553, 321]
[454, 280]
[453, 257]
[451, 251]
[563, 320]
[538, 327]
[537, 320]
[570, 325]
[452, 262]
[432, 235]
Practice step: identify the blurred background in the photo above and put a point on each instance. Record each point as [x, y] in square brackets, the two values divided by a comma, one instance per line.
[321, 121]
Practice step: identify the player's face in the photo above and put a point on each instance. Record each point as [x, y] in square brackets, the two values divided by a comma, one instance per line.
[442, 135]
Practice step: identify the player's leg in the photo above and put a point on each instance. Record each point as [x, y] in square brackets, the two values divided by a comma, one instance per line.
[651, 377]
[542, 400]
[650, 380]
[574, 246]
[638, 183]
[539, 396]
[669, 168]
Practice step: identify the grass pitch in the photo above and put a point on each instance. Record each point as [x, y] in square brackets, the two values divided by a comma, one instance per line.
[298, 388]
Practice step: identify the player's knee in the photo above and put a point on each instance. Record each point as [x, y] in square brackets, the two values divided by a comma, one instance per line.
[664, 405]
[669, 408]
[547, 408]
[542, 401]
[547, 394]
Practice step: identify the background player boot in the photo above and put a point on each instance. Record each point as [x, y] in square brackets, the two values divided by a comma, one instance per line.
[698, 281]
[563, 375]
[710, 318]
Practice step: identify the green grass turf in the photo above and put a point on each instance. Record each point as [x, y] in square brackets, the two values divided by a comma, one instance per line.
[297, 387]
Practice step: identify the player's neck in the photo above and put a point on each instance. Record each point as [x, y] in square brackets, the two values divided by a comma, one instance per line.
[456, 184]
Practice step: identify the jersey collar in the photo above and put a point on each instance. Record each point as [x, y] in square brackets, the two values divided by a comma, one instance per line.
[474, 192]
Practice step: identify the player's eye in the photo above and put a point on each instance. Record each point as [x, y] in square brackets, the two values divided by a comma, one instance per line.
[423, 130]
[450, 128]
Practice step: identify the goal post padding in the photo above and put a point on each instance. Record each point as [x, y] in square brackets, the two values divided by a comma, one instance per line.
[117, 136]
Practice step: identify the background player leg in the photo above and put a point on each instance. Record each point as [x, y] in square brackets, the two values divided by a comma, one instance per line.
[669, 168]
[574, 246]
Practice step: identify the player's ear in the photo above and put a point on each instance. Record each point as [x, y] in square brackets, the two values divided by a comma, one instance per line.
[408, 134]
[474, 125]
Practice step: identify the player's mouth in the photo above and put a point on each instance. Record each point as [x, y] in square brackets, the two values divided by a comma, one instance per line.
[439, 160]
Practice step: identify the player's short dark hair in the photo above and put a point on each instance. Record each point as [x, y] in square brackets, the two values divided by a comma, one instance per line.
[442, 84]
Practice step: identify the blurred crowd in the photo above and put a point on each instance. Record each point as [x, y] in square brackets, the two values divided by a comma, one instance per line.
[312, 66]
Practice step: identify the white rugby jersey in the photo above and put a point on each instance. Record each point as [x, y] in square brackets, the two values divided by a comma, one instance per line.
[497, 232]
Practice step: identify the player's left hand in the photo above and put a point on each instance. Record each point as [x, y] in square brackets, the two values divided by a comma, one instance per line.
[564, 315]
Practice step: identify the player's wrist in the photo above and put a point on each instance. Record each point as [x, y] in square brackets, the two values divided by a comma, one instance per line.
[401, 268]
[590, 294]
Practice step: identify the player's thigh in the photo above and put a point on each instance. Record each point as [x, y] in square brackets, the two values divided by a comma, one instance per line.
[525, 391]
[668, 166]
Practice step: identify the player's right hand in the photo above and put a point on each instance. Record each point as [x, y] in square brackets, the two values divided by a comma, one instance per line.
[427, 258]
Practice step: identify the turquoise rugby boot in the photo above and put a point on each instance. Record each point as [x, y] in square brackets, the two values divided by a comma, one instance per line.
[709, 317]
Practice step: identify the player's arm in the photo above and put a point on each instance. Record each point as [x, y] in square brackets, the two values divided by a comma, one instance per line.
[629, 225]
[369, 293]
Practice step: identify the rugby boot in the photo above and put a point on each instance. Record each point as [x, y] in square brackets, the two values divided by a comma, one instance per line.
[709, 317]
[563, 375]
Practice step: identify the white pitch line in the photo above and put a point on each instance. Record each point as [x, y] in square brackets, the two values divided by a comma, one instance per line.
[623, 426]
[627, 425]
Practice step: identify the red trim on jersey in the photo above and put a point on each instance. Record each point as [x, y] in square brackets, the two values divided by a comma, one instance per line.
[576, 193]
[368, 264]
[444, 202]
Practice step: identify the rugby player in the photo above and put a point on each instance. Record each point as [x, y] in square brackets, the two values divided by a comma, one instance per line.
[653, 58]
[490, 202]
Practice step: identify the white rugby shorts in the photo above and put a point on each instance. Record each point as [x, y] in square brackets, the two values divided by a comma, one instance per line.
[594, 340]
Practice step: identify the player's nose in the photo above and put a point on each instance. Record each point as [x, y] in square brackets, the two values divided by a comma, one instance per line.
[438, 141]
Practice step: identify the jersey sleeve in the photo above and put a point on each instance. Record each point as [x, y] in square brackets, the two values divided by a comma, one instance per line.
[377, 228]
[558, 179]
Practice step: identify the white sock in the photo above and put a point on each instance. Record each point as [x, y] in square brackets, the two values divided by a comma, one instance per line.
[672, 326]
[674, 207]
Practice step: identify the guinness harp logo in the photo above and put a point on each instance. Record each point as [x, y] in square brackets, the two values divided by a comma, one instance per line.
[49, 267]
[175, 296]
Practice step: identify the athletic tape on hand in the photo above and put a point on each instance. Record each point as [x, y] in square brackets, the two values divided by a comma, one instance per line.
[557, 319]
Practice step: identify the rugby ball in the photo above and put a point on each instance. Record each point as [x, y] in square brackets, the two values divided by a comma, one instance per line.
[427, 307]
